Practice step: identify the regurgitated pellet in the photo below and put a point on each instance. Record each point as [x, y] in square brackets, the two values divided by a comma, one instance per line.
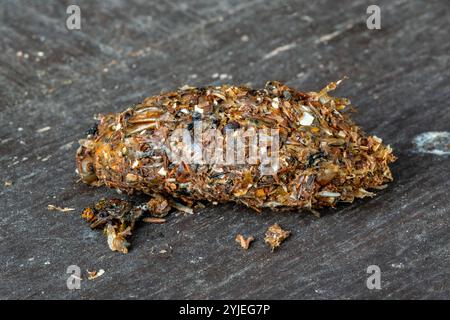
[316, 156]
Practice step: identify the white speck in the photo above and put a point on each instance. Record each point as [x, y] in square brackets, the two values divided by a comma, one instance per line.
[278, 50]
[198, 109]
[328, 194]
[26, 55]
[434, 142]
[163, 251]
[223, 76]
[334, 34]
[244, 38]
[215, 75]
[46, 263]
[398, 265]
[46, 158]
[275, 103]
[307, 18]
[19, 129]
[193, 76]
[319, 291]
[66, 146]
[31, 259]
[105, 70]
[43, 129]
[135, 164]
[40, 54]
[19, 54]
[307, 119]
[162, 171]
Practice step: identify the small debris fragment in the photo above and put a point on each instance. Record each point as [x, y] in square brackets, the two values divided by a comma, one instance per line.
[95, 274]
[8, 183]
[245, 243]
[46, 158]
[398, 265]
[182, 207]
[162, 251]
[52, 207]
[117, 240]
[275, 235]
[154, 220]
[43, 129]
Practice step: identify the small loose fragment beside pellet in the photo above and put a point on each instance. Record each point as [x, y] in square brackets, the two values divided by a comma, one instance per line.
[95, 274]
[41, 130]
[275, 235]
[245, 243]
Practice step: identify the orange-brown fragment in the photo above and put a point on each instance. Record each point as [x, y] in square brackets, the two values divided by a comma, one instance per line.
[154, 220]
[245, 243]
[275, 235]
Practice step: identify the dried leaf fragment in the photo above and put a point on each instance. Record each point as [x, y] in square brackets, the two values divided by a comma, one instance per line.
[52, 207]
[275, 235]
[8, 183]
[245, 243]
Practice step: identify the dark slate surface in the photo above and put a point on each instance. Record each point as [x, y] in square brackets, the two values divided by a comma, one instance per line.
[126, 50]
